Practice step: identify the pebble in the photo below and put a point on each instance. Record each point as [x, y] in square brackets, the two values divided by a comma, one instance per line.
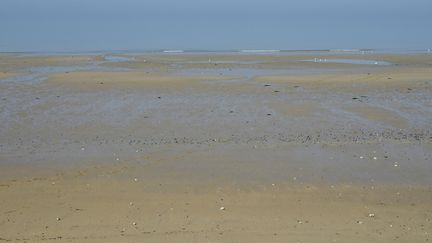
[361, 157]
[58, 219]
[374, 158]
[134, 223]
[135, 179]
[371, 215]
[222, 208]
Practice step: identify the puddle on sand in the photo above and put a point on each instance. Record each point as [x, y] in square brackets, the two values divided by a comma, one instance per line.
[349, 61]
[113, 58]
[250, 72]
[223, 62]
[93, 66]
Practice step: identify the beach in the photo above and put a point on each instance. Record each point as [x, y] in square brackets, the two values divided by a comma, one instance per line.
[216, 147]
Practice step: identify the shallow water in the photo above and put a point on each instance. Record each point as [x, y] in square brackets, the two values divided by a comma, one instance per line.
[350, 61]
[113, 58]
[251, 72]
[223, 62]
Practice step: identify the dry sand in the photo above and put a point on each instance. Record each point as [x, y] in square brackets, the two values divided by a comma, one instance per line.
[106, 204]
[129, 80]
[4, 75]
[215, 148]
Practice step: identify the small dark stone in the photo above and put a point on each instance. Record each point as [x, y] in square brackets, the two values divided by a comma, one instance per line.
[355, 98]
[267, 85]
[276, 91]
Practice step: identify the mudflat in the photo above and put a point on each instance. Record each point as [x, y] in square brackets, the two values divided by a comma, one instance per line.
[209, 147]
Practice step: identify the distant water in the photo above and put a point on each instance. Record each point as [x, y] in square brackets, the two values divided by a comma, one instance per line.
[116, 53]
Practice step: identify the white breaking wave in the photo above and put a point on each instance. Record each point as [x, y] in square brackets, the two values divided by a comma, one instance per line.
[173, 51]
[345, 50]
[259, 51]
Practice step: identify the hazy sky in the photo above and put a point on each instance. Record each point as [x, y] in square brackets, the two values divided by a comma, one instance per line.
[86, 25]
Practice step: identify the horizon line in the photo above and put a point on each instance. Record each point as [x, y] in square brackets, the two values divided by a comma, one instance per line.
[246, 51]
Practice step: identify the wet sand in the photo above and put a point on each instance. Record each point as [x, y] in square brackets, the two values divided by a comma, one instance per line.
[215, 148]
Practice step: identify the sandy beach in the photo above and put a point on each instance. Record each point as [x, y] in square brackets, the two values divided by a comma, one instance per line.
[216, 147]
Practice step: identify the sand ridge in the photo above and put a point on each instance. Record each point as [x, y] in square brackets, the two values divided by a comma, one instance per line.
[107, 80]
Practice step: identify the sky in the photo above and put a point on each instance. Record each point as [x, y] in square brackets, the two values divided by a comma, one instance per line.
[103, 25]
